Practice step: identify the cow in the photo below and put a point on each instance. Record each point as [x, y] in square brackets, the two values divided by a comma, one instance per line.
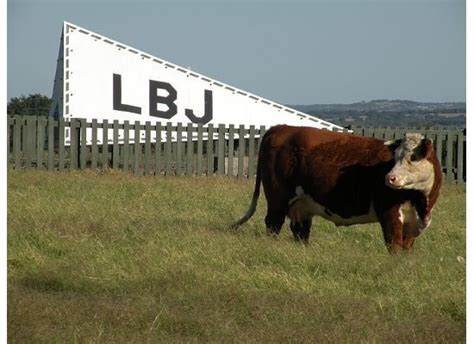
[347, 179]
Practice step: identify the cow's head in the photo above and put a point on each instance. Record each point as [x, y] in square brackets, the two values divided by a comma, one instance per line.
[413, 168]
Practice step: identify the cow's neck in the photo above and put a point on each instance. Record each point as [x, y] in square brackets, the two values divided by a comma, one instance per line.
[436, 186]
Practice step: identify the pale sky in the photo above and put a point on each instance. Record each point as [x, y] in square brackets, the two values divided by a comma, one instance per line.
[292, 52]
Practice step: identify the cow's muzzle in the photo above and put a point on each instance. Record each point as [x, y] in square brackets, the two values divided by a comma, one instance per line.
[392, 181]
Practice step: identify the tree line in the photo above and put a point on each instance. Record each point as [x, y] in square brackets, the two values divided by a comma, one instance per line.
[39, 105]
[32, 105]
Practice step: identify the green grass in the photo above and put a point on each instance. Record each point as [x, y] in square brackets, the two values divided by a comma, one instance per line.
[108, 257]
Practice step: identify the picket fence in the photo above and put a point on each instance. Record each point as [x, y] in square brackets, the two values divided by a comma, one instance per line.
[167, 149]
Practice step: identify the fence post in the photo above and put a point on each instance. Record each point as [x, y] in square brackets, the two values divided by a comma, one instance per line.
[94, 148]
[398, 134]
[200, 130]
[10, 122]
[126, 145]
[158, 149]
[240, 172]
[137, 149]
[31, 140]
[83, 144]
[105, 144]
[179, 149]
[260, 136]
[115, 147]
[24, 140]
[220, 150]
[50, 128]
[74, 145]
[168, 150]
[209, 153]
[389, 134]
[460, 158]
[17, 141]
[230, 154]
[449, 156]
[439, 146]
[378, 133]
[40, 142]
[189, 150]
[62, 150]
[251, 152]
[147, 147]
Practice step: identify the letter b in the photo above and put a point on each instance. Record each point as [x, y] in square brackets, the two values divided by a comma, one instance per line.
[168, 100]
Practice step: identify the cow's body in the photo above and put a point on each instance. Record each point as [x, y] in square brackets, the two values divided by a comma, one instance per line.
[348, 180]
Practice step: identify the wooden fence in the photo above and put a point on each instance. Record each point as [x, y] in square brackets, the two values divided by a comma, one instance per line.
[191, 150]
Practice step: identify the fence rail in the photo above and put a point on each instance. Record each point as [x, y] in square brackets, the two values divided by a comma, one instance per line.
[166, 149]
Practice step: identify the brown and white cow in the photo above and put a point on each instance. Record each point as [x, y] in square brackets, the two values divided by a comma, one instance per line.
[348, 180]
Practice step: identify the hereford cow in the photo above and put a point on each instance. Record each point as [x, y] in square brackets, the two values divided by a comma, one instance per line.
[348, 180]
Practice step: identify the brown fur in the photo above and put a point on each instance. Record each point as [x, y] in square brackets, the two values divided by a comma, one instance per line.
[343, 173]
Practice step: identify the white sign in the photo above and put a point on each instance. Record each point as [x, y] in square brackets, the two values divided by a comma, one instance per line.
[99, 78]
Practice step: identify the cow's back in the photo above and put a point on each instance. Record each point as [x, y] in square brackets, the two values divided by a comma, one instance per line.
[292, 151]
[341, 172]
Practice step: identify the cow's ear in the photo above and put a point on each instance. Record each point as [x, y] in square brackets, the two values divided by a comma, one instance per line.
[421, 151]
[393, 144]
[426, 142]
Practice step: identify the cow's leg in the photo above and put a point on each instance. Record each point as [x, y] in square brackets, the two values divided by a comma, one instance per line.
[277, 207]
[295, 229]
[305, 230]
[274, 220]
[408, 244]
[393, 240]
[392, 227]
[410, 232]
[301, 230]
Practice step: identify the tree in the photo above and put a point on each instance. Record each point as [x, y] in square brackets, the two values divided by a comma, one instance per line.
[33, 105]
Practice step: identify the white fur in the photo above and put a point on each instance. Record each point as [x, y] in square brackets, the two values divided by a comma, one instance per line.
[416, 175]
[412, 223]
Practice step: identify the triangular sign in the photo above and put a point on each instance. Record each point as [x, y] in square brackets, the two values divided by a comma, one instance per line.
[99, 78]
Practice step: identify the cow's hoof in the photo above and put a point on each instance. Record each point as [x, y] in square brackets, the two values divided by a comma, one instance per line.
[300, 240]
[272, 233]
[394, 250]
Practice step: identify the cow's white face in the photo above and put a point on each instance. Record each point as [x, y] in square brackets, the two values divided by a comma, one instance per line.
[412, 169]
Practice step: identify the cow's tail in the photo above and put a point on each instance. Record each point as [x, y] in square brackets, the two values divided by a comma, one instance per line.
[256, 193]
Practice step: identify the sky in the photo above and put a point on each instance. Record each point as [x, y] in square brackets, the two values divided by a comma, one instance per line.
[292, 52]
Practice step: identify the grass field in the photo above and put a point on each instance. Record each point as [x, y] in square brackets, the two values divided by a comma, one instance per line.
[111, 258]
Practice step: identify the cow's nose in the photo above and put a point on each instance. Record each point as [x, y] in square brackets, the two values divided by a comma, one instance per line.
[391, 179]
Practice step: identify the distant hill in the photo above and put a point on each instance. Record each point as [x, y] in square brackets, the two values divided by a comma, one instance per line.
[390, 113]
[383, 105]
